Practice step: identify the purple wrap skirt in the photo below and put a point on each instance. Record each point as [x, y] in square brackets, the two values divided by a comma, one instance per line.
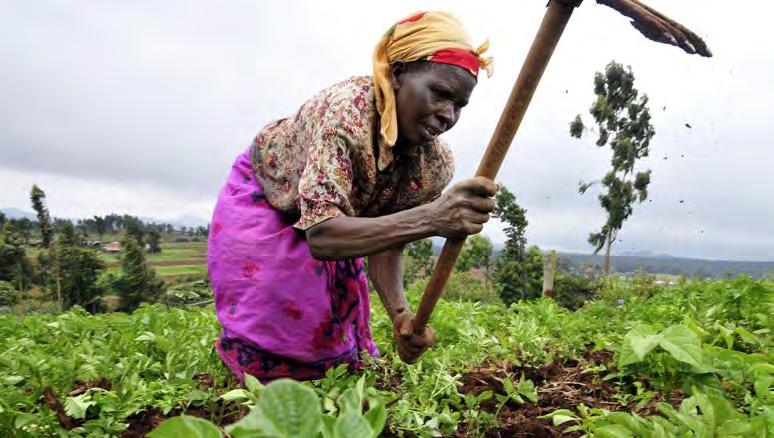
[283, 313]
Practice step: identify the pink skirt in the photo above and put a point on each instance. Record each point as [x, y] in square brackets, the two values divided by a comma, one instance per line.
[284, 313]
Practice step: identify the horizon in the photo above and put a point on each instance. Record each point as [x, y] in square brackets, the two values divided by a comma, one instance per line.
[438, 242]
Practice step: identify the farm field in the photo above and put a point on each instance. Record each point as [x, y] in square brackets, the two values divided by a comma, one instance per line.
[175, 259]
[690, 360]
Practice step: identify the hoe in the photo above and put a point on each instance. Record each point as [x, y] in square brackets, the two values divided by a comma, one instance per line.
[651, 23]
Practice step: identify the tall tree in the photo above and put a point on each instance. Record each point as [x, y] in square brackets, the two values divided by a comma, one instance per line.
[623, 124]
[38, 197]
[13, 259]
[136, 229]
[80, 269]
[138, 282]
[100, 226]
[154, 241]
[513, 269]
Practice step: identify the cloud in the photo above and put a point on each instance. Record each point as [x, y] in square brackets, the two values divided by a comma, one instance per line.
[154, 101]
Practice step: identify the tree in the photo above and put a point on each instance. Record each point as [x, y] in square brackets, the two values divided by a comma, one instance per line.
[79, 269]
[37, 196]
[417, 260]
[154, 241]
[138, 282]
[136, 229]
[475, 254]
[100, 226]
[13, 260]
[517, 272]
[623, 122]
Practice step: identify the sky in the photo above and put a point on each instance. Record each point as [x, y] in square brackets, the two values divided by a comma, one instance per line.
[141, 107]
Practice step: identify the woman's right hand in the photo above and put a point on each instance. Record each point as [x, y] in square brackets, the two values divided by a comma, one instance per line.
[464, 208]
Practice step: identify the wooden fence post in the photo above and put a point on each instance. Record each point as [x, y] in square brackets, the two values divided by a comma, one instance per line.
[549, 268]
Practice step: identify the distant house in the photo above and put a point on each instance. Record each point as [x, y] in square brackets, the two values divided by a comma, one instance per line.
[35, 242]
[112, 247]
[93, 243]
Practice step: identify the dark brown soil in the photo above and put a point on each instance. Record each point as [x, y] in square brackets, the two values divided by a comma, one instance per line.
[560, 385]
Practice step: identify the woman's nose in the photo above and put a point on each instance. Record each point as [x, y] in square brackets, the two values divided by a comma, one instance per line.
[446, 115]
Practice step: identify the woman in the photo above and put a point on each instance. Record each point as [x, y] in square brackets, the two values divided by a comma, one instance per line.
[358, 171]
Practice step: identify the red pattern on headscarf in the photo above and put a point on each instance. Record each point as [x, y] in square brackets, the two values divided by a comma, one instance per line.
[458, 57]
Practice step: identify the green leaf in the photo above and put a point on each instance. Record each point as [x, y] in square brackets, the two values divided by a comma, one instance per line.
[376, 416]
[642, 339]
[22, 420]
[527, 389]
[632, 422]
[286, 409]
[13, 379]
[253, 385]
[613, 431]
[350, 400]
[561, 419]
[236, 394]
[351, 425]
[185, 426]
[683, 344]
[76, 407]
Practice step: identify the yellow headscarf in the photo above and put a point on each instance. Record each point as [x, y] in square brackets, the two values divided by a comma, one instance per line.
[416, 37]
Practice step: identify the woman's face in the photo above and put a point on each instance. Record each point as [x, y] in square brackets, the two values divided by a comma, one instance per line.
[429, 97]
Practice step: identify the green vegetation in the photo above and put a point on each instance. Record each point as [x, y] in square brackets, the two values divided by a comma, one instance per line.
[636, 360]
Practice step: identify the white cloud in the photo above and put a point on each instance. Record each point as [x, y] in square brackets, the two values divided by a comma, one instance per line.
[154, 100]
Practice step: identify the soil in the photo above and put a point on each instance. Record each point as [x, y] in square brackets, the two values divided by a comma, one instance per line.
[560, 385]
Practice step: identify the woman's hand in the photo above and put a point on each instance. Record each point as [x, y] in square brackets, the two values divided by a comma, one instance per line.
[464, 208]
[410, 346]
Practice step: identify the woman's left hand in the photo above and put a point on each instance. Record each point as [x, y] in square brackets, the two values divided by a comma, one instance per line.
[410, 346]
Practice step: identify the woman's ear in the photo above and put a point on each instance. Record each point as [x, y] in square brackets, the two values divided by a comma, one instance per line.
[396, 74]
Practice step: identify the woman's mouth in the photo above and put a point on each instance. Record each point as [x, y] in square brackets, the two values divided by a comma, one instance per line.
[432, 131]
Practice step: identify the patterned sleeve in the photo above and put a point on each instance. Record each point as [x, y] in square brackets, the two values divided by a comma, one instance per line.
[440, 171]
[326, 182]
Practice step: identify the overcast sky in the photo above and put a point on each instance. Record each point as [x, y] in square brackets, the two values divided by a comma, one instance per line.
[141, 107]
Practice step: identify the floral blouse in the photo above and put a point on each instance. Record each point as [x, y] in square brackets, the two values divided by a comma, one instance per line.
[328, 160]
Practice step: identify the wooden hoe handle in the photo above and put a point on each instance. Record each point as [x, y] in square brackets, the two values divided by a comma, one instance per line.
[556, 17]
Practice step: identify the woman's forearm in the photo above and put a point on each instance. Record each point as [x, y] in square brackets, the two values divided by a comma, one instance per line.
[345, 237]
[386, 272]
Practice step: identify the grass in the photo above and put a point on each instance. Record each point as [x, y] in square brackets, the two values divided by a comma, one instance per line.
[166, 271]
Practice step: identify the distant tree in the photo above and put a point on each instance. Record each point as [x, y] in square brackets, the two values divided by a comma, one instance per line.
[2, 218]
[38, 197]
[136, 229]
[13, 261]
[418, 260]
[154, 241]
[623, 122]
[100, 226]
[80, 269]
[476, 253]
[24, 226]
[67, 234]
[515, 270]
[137, 282]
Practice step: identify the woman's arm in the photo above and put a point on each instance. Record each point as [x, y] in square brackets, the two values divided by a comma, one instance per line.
[460, 211]
[344, 236]
[385, 271]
